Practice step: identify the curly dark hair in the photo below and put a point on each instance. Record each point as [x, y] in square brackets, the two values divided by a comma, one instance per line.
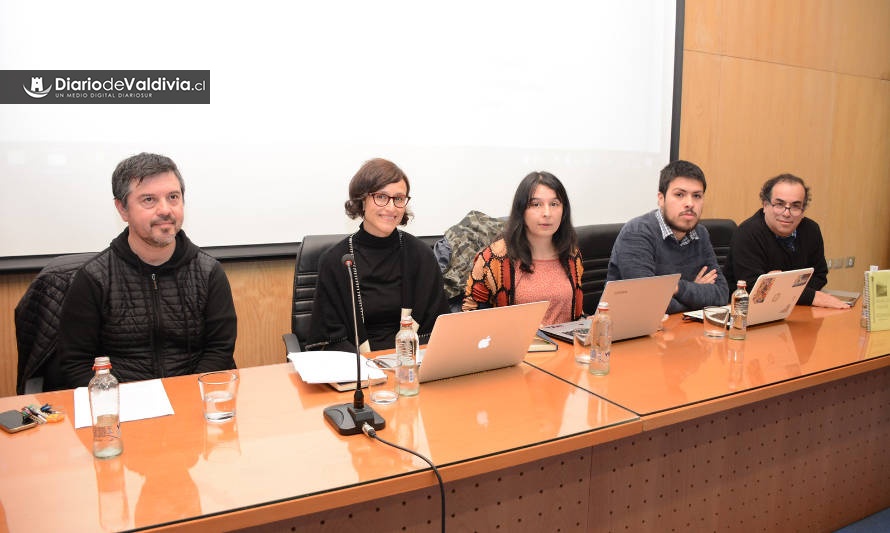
[371, 177]
[766, 192]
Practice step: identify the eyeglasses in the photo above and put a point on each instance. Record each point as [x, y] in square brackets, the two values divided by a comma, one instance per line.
[794, 209]
[382, 199]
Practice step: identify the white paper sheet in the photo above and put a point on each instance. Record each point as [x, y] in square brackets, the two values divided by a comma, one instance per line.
[139, 399]
[330, 367]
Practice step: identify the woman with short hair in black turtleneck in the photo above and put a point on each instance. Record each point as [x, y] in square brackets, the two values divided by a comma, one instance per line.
[397, 273]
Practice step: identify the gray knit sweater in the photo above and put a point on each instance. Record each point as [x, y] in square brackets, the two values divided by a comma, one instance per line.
[640, 251]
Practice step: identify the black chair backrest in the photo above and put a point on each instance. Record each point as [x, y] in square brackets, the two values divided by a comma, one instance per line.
[595, 242]
[37, 317]
[306, 276]
[721, 231]
[430, 240]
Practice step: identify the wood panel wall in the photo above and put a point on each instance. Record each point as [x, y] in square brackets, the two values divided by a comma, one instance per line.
[769, 86]
[12, 287]
[773, 86]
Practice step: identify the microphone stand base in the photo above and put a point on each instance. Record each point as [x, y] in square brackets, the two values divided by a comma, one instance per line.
[349, 421]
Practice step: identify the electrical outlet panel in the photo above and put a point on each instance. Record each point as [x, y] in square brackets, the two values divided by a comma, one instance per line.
[829, 263]
[851, 261]
[839, 262]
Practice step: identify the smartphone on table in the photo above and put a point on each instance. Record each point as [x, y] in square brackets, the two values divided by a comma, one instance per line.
[15, 421]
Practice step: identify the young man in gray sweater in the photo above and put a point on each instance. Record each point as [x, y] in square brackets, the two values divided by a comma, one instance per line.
[669, 240]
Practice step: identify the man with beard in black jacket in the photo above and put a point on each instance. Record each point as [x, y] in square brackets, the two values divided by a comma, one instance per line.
[153, 302]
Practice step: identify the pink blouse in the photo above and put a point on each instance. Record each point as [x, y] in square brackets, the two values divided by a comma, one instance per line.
[548, 282]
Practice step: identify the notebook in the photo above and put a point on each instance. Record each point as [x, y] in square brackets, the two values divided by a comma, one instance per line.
[485, 339]
[772, 297]
[637, 307]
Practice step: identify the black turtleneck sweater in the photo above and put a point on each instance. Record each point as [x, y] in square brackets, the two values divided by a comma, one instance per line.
[393, 273]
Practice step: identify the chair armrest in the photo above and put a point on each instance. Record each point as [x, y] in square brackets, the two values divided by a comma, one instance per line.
[291, 344]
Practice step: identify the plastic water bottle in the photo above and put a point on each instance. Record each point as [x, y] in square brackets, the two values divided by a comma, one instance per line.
[406, 352]
[738, 320]
[105, 408]
[601, 340]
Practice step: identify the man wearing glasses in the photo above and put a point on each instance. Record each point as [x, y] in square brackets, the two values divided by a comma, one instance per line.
[779, 237]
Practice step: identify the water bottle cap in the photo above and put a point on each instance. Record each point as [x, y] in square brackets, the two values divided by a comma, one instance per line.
[102, 363]
[407, 321]
[603, 305]
[741, 283]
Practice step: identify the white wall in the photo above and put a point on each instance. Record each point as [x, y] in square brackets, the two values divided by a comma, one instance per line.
[467, 97]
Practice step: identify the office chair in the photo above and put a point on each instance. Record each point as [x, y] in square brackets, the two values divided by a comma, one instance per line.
[721, 231]
[37, 318]
[595, 242]
[305, 277]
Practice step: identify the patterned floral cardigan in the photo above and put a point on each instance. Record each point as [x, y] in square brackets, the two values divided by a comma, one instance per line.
[491, 281]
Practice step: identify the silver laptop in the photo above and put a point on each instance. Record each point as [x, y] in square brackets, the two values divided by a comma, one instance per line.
[637, 307]
[772, 297]
[485, 339]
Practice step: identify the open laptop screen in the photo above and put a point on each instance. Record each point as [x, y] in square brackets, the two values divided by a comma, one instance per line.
[637, 307]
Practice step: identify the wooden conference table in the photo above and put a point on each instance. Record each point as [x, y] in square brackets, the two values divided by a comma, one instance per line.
[787, 429]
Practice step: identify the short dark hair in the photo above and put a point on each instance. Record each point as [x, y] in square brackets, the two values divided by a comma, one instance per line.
[137, 168]
[680, 169]
[374, 175]
[766, 192]
[565, 239]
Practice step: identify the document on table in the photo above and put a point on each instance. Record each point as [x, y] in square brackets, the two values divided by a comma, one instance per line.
[139, 399]
[330, 367]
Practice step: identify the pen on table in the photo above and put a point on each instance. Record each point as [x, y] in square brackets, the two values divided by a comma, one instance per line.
[35, 413]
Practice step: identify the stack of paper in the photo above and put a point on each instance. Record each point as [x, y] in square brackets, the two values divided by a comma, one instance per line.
[334, 368]
[138, 400]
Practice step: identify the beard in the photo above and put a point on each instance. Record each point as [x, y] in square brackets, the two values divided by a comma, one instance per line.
[161, 238]
[675, 226]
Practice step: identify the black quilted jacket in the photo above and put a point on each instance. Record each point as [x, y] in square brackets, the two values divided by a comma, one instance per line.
[152, 321]
[37, 316]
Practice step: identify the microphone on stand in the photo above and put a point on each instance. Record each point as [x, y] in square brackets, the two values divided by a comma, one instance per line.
[348, 418]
